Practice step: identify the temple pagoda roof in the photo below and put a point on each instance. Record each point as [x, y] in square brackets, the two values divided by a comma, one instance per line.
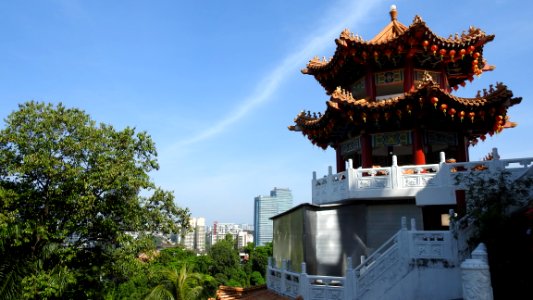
[427, 104]
[461, 54]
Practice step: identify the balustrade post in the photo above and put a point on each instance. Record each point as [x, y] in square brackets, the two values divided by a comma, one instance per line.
[282, 283]
[442, 157]
[303, 283]
[476, 276]
[403, 241]
[349, 280]
[394, 173]
[413, 224]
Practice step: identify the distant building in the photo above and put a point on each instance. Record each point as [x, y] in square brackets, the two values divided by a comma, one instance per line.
[265, 207]
[242, 234]
[195, 238]
[244, 237]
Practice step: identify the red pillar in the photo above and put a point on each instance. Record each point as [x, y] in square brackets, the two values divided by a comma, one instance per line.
[462, 149]
[366, 150]
[341, 165]
[408, 80]
[370, 85]
[419, 158]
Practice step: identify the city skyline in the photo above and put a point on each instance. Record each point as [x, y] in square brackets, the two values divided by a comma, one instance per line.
[217, 83]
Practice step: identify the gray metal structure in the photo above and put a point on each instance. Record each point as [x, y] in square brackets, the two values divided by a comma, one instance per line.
[325, 236]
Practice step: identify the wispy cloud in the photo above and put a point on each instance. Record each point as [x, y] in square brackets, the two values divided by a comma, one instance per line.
[352, 13]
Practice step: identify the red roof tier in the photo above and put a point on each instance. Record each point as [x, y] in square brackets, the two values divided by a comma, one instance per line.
[428, 104]
[461, 55]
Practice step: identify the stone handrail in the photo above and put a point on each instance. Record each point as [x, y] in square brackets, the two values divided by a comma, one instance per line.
[384, 268]
[407, 181]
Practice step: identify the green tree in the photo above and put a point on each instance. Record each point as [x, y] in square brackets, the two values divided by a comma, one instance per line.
[177, 284]
[495, 205]
[70, 190]
[226, 263]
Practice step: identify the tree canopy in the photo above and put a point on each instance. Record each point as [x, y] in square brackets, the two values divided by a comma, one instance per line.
[70, 192]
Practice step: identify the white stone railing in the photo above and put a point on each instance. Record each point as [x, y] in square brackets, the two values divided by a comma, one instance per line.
[384, 268]
[420, 181]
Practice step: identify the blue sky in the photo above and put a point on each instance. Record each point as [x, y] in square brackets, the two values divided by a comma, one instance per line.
[216, 83]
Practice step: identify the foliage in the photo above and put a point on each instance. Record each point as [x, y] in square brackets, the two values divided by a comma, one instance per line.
[225, 260]
[256, 278]
[177, 284]
[257, 262]
[496, 204]
[70, 190]
[491, 197]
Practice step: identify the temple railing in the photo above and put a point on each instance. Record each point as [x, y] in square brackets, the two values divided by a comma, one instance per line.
[384, 268]
[420, 181]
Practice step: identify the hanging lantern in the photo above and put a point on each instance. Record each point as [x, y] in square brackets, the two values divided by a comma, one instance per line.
[463, 83]
[452, 54]
[472, 116]
[364, 55]
[455, 88]
[483, 137]
[425, 44]
[471, 49]
[476, 55]
[462, 52]
[491, 133]
[442, 52]
[400, 48]
[388, 53]
[451, 112]
[434, 49]
[499, 118]
[376, 116]
[443, 107]
[399, 114]
[376, 56]
[409, 108]
[387, 115]
[434, 100]
[462, 115]
[481, 114]
[363, 116]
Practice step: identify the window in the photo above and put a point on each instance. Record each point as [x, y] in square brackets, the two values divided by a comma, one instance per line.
[358, 89]
[389, 83]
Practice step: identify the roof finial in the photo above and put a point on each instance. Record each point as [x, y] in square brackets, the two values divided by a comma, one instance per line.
[393, 12]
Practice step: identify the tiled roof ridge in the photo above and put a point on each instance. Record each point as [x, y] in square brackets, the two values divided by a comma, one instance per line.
[341, 96]
[470, 37]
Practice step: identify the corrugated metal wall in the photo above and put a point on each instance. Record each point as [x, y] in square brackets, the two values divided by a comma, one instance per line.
[324, 237]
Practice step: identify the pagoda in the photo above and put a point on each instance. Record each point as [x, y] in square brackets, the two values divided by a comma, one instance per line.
[392, 95]
[401, 137]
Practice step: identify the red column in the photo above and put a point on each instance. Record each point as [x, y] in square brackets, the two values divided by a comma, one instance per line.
[408, 75]
[370, 85]
[419, 158]
[461, 149]
[341, 165]
[366, 150]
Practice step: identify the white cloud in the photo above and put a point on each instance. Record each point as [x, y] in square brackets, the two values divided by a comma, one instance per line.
[354, 12]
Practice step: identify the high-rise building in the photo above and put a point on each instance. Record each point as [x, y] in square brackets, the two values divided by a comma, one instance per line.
[265, 207]
[195, 238]
[199, 238]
